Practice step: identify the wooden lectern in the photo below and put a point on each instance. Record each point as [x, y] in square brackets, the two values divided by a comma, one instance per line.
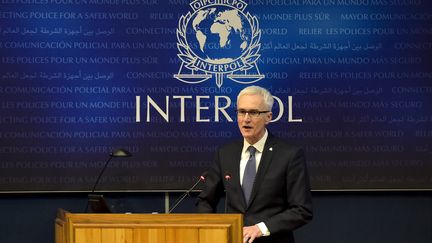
[148, 228]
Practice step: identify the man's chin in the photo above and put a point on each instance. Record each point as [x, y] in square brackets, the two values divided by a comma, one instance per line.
[247, 136]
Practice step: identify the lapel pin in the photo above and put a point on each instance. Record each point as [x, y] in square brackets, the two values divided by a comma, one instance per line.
[271, 149]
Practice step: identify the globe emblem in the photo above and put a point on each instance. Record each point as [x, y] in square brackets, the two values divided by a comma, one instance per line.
[218, 41]
[218, 34]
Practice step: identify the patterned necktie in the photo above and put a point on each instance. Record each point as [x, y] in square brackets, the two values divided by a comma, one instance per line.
[249, 174]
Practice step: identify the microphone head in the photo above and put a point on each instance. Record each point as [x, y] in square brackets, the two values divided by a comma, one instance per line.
[203, 176]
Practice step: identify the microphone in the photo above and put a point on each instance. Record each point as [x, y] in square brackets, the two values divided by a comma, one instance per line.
[227, 177]
[117, 153]
[183, 196]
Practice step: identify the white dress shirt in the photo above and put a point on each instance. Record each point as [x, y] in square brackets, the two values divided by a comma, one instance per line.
[259, 146]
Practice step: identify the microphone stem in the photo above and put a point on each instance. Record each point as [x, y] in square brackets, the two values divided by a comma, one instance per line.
[226, 200]
[227, 177]
[180, 199]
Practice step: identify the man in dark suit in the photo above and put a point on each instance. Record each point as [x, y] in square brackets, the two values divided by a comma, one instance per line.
[265, 179]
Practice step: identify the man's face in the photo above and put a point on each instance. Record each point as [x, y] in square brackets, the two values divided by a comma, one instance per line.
[252, 128]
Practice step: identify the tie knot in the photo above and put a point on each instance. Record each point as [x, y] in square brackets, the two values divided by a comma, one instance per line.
[252, 150]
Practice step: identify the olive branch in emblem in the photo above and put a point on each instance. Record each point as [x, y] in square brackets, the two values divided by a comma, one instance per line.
[185, 52]
[252, 55]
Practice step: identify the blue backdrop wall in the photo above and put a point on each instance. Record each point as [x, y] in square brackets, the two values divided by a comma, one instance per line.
[352, 83]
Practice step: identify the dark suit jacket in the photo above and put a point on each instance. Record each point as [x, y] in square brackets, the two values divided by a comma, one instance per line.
[281, 193]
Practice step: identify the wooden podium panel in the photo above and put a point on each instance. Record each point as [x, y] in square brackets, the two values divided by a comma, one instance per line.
[148, 228]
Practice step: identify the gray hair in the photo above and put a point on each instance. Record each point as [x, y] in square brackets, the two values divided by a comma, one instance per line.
[257, 90]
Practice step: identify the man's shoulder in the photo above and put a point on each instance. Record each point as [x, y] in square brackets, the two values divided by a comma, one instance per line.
[282, 143]
[232, 145]
[271, 141]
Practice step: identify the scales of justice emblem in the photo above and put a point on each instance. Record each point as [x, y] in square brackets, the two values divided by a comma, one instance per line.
[218, 39]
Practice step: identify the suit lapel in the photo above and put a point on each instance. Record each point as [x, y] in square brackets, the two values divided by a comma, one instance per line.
[234, 168]
[266, 158]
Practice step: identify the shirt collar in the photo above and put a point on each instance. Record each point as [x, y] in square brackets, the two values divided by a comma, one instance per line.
[259, 146]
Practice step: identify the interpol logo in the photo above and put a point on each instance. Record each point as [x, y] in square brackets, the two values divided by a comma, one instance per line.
[218, 39]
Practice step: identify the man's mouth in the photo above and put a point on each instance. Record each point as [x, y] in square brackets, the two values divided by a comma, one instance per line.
[247, 127]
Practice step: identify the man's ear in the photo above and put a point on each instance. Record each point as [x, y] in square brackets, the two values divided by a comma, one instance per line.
[269, 117]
